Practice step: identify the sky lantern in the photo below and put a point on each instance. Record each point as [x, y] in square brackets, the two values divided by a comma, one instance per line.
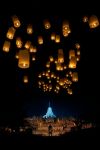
[93, 21]
[16, 22]
[47, 24]
[75, 77]
[72, 62]
[6, 46]
[19, 42]
[60, 56]
[11, 32]
[25, 79]
[24, 59]
[29, 29]
[71, 53]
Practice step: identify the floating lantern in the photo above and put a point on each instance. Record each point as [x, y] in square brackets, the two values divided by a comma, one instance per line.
[19, 42]
[25, 79]
[71, 53]
[47, 24]
[53, 36]
[72, 62]
[40, 40]
[6, 46]
[16, 22]
[57, 39]
[93, 21]
[29, 29]
[60, 56]
[75, 77]
[24, 59]
[27, 44]
[10, 33]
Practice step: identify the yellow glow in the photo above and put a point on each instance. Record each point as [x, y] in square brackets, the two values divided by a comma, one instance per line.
[71, 54]
[53, 36]
[25, 79]
[11, 32]
[47, 24]
[72, 62]
[40, 40]
[19, 42]
[93, 21]
[57, 39]
[24, 59]
[16, 22]
[6, 46]
[29, 29]
[60, 56]
[27, 44]
[66, 29]
[48, 64]
[33, 58]
[77, 45]
[85, 19]
[51, 58]
[75, 77]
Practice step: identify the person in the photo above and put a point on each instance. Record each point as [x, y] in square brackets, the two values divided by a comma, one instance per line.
[50, 130]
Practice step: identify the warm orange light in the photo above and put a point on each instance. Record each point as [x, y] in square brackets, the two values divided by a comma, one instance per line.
[47, 24]
[19, 42]
[72, 62]
[24, 59]
[93, 21]
[16, 22]
[29, 29]
[6, 46]
[11, 33]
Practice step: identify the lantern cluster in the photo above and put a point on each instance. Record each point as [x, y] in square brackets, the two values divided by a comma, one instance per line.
[64, 74]
[60, 71]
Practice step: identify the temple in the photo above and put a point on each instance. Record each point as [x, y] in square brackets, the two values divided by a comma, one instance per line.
[49, 113]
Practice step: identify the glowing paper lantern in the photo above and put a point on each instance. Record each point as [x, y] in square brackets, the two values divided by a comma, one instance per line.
[71, 53]
[65, 29]
[57, 39]
[85, 19]
[29, 29]
[53, 35]
[75, 77]
[93, 21]
[47, 24]
[40, 40]
[69, 91]
[10, 33]
[77, 45]
[25, 79]
[33, 58]
[6, 46]
[19, 42]
[17, 55]
[33, 49]
[24, 59]
[51, 58]
[78, 52]
[60, 56]
[48, 64]
[16, 22]
[27, 44]
[78, 57]
[59, 67]
[61, 82]
[72, 62]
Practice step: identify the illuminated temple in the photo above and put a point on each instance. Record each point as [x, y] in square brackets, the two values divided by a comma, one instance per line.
[49, 113]
[50, 125]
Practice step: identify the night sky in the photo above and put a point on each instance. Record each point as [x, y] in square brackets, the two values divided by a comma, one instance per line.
[18, 100]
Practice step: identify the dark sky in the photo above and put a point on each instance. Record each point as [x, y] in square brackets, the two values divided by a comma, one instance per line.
[18, 100]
